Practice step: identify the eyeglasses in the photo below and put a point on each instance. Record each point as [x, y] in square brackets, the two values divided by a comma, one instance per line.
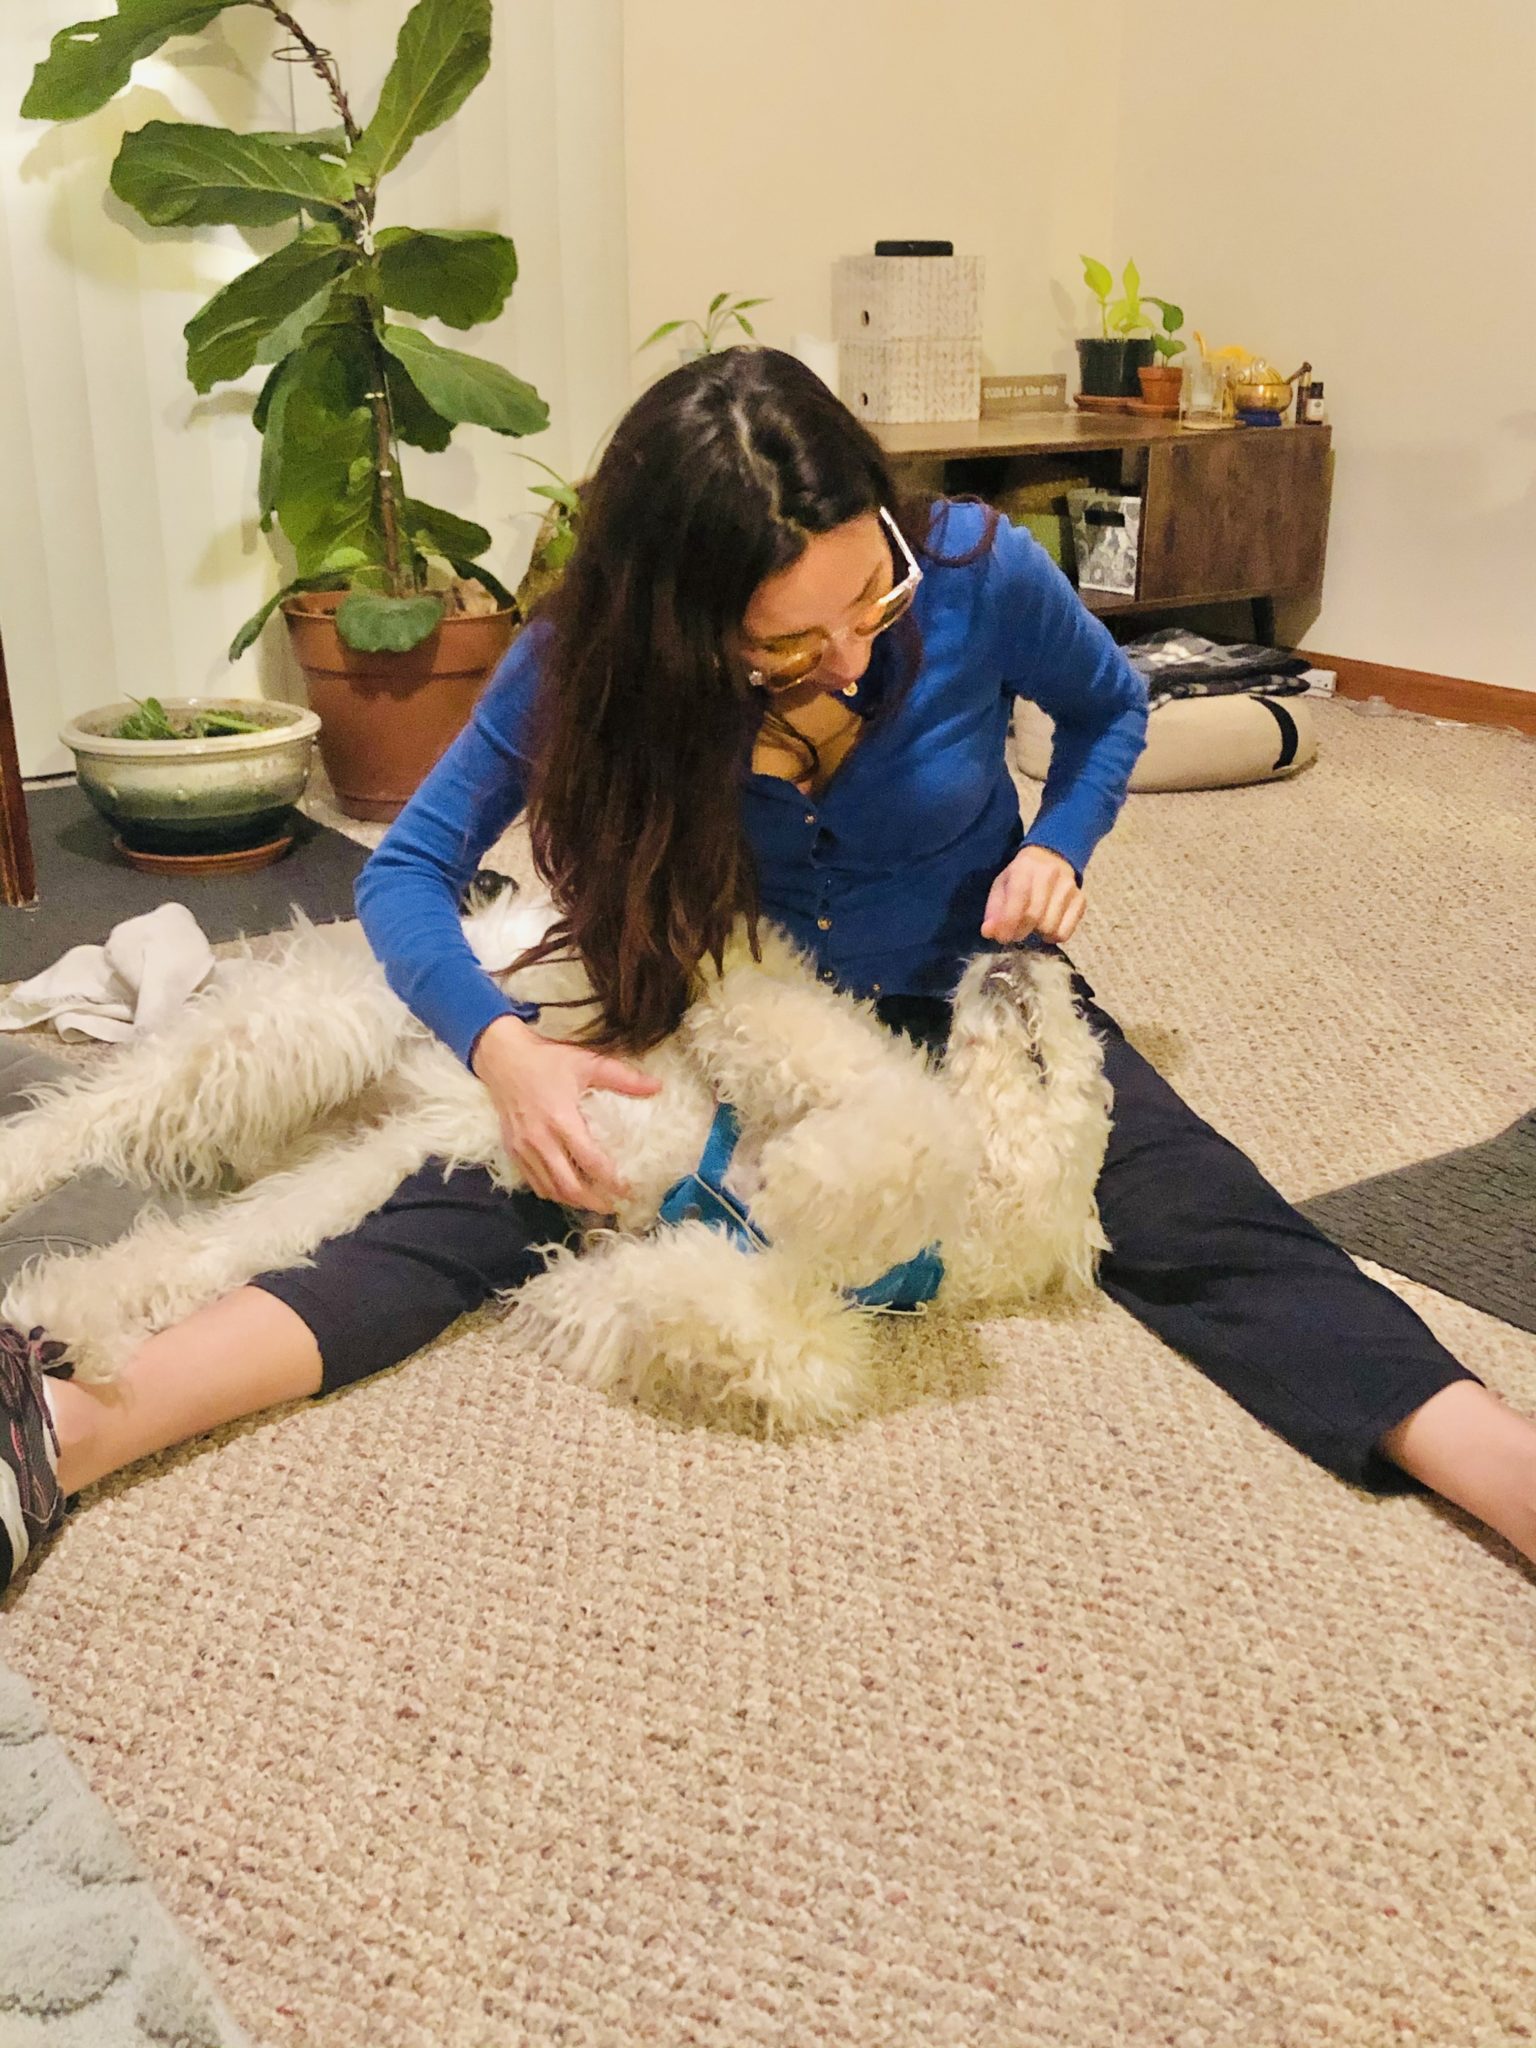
[790, 665]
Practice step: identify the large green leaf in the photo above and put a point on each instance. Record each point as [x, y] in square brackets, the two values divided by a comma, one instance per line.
[324, 485]
[330, 142]
[376, 624]
[415, 421]
[466, 390]
[443, 533]
[91, 60]
[270, 418]
[286, 336]
[224, 339]
[443, 52]
[250, 632]
[179, 174]
[459, 275]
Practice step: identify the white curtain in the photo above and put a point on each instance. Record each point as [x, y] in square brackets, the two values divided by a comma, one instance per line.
[129, 550]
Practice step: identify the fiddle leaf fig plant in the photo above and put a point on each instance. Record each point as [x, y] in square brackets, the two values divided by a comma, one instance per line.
[347, 384]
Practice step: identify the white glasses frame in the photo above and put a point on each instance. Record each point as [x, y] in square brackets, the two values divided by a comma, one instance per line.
[761, 679]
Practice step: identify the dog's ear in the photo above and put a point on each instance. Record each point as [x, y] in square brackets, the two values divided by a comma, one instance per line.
[483, 889]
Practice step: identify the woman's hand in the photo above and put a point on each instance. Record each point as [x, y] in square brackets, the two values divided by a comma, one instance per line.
[537, 1084]
[1038, 891]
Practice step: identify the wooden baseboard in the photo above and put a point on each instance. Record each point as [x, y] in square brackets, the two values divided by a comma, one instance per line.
[1412, 689]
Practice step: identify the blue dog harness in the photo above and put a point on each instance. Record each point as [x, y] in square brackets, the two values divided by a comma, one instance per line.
[702, 1197]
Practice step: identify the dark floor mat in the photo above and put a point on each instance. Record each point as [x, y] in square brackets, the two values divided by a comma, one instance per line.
[84, 889]
[1464, 1224]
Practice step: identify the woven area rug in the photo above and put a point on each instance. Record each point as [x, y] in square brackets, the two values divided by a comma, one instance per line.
[1056, 1706]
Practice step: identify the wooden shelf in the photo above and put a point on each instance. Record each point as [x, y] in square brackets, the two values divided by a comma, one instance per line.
[1042, 433]
[1235, 515]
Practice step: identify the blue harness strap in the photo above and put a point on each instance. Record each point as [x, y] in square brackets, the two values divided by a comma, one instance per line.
[702, 1197]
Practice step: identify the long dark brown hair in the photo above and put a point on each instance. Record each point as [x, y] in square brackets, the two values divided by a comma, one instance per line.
[715, 479]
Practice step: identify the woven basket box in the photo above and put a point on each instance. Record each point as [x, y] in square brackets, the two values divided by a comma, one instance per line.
[906, 298]
[910, 380]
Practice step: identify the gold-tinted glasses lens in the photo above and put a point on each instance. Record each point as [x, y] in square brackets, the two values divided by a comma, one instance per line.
[784, 669]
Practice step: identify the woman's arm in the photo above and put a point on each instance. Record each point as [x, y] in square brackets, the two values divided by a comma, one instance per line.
[408, 894]
[1051, 649]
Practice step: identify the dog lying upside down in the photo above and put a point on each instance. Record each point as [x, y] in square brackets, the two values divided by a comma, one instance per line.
[301, 1078]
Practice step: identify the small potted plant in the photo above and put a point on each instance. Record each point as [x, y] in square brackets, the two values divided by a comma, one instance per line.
[723, 311]
[1162, 381]
[393, 616]
[205, 779]
[556, 538]
[1108, 361]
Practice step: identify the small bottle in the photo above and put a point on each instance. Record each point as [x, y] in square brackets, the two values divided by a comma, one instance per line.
[1315, 412]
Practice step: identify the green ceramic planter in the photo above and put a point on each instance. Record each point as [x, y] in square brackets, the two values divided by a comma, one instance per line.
[196, 796]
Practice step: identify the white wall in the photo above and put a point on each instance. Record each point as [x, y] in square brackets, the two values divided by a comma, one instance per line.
[1357, 192]
[128, 546]
[764, 138]
[1364, 200]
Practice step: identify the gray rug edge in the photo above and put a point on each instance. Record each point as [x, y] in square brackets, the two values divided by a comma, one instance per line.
[89, 1956]
[1367, 1218]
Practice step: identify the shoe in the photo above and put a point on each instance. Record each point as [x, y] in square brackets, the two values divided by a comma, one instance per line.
[31, 1500]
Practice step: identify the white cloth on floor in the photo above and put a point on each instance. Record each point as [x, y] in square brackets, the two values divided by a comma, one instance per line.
[147, 969]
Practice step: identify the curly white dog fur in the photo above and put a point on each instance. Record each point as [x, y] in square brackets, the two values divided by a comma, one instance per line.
[302, 1078]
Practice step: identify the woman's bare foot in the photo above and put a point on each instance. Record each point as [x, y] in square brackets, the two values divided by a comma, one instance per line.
[1465, 1444]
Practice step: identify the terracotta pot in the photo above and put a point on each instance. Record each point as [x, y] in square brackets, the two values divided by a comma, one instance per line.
[1162, 383]
[385, 718]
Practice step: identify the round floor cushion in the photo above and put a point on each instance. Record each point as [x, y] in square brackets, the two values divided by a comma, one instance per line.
[1198, 742]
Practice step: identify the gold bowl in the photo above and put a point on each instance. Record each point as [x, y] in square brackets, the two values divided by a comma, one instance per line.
[1262, 397]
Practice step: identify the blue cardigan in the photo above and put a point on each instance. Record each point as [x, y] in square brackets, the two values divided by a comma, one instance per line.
[883, 878]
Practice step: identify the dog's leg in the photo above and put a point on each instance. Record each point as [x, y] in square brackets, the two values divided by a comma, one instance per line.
[1028, 1070]
[778, 1046]
[855, 1189]
[864, 1162]
[688, 1322]
[265, 1054]
[103, 1304]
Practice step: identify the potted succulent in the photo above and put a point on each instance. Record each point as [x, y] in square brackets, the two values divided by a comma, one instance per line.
[722, 312]
[206, 779]
[1108, 361]
[394, 618]
[1162, 381]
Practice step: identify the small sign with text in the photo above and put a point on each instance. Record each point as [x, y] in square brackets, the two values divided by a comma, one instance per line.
[1005, 398]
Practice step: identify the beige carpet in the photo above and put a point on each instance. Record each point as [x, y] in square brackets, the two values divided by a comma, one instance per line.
[1064, 1708]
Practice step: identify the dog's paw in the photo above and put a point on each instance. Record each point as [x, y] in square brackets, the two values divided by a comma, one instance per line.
[687, 1323]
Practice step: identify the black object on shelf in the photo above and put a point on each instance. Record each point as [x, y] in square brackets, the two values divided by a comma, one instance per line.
[914, 248]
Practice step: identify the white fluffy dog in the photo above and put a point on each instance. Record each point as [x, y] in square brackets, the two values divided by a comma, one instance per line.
[303, 1081]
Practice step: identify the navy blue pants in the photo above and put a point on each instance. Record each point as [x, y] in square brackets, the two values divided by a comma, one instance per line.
[1204, 1252]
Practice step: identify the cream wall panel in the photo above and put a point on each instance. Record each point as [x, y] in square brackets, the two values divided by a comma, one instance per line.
[1365, 201]
[128, 546]
[1357, 191]
[768, 137]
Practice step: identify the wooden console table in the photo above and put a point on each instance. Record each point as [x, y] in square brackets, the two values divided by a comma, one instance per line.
[1239, 514]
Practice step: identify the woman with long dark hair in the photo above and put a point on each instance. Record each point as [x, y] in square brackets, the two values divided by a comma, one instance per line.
[767, 688]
